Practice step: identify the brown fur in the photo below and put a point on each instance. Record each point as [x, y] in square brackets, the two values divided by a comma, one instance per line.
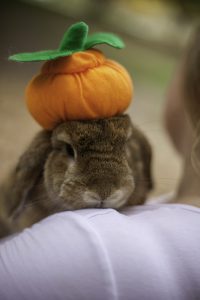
[80, 164]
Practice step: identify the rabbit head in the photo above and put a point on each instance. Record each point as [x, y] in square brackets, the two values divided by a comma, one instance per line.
[88, 165]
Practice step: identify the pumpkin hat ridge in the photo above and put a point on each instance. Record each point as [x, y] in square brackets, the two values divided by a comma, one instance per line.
[77, 82]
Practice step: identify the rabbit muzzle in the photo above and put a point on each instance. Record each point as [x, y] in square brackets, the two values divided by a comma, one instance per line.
[97, 192]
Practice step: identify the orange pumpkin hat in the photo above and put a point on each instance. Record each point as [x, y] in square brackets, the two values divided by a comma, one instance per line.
[77, 82]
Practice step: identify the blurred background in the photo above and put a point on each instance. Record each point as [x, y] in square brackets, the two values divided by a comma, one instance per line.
[155, 32]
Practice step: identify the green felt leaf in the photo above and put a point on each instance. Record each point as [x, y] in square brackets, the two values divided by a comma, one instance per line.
[75, 37]
[40, 56]
[104, 38]
[74, 40]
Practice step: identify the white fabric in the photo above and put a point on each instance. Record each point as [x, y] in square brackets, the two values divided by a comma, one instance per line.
[149, 252]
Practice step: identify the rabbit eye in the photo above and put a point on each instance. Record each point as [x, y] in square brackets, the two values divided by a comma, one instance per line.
[69, 150]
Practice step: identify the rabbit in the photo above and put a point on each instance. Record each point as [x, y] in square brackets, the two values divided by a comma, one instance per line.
[104, 163]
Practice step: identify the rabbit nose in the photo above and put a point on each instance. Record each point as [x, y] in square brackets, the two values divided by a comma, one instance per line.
[92, 199]
[114, 200]
[102, 188]
[97, 196]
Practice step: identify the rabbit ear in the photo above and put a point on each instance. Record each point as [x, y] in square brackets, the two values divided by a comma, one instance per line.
[146, 156]
[147, 159]
[27, 172]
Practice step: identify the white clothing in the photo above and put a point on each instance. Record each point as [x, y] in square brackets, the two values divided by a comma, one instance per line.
[149, 252]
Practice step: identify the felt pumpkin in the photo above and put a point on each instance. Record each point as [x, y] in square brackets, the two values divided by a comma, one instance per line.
[77, 82]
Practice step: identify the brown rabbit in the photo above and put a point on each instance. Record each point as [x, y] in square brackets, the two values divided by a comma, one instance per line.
[102, 163]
